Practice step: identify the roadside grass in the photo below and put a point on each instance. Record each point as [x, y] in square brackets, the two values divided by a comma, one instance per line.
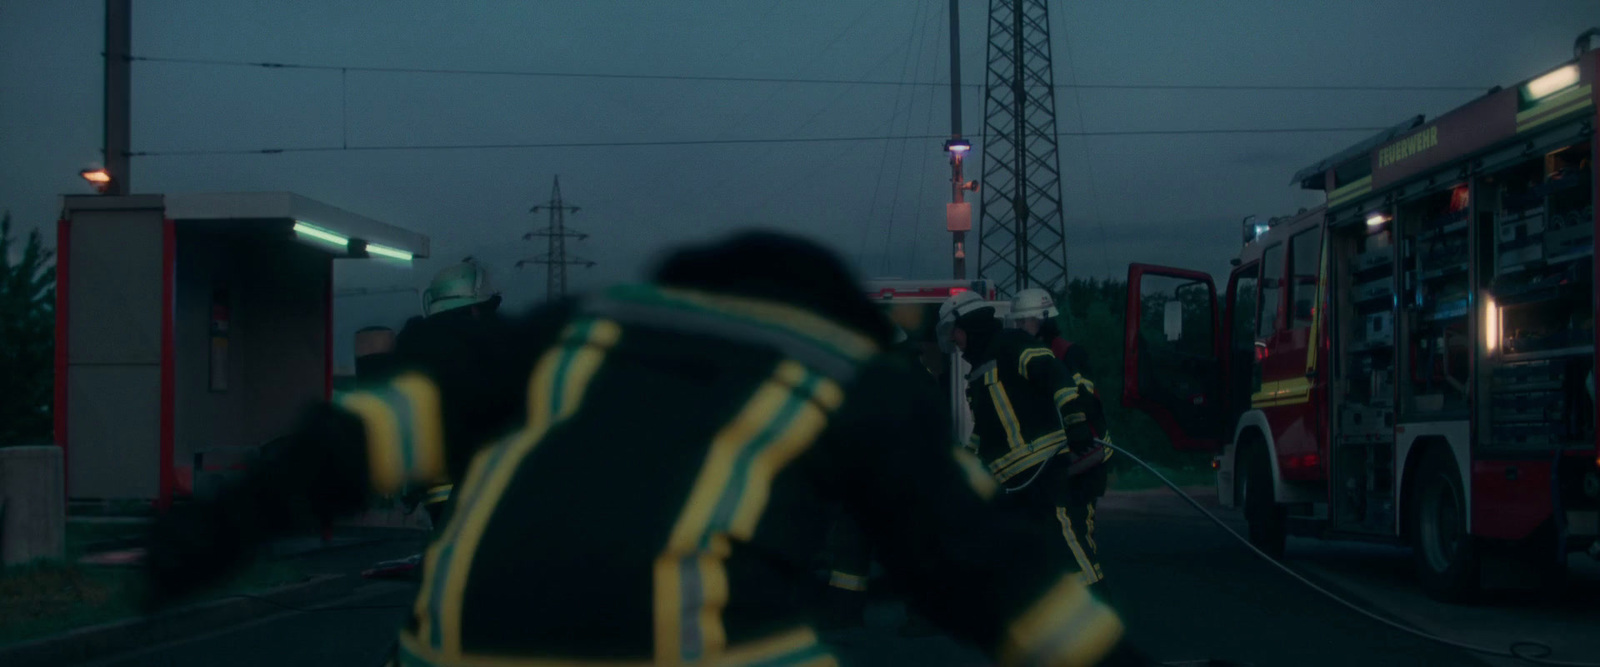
[1139, 479]
[48, 597]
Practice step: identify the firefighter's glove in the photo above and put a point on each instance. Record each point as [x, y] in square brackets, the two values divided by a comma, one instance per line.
[1080, 437]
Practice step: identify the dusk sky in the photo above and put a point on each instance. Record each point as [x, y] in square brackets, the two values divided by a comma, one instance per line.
[1168, 198]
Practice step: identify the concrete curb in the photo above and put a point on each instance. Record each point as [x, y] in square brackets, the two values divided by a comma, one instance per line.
[99, 641]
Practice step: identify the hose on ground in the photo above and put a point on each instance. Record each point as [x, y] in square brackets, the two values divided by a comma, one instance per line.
[1528, 651]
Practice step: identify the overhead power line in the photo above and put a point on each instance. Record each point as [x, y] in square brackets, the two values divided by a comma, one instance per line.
[715, 142]
[767, 79]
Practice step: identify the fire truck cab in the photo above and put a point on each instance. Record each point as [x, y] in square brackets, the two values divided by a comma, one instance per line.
[913, 305]
[1412, 361]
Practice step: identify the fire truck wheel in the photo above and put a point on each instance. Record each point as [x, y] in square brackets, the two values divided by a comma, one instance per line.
[1261, 509]
[1444, 555]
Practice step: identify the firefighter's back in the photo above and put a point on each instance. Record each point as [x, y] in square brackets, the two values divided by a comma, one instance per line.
[662, 485]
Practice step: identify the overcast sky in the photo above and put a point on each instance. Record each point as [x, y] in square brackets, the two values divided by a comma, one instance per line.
[1173, 199]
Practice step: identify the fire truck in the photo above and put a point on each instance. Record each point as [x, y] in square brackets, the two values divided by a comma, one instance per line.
[913, 305]
[1412, 361]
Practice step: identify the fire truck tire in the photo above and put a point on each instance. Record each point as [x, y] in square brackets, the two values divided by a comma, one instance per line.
[1266, 517]
[1444, 555]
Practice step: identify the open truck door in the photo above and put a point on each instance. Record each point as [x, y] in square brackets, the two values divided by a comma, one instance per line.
[1172, 356]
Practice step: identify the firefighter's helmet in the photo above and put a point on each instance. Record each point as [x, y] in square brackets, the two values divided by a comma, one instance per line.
[465, 284]
[956, 307]
[1033, 303]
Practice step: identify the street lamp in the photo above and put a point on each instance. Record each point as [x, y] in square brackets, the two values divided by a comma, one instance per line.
[99, 178]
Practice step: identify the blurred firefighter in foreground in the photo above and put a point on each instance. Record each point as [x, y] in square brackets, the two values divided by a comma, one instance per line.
[1032, 425]
[642, 472]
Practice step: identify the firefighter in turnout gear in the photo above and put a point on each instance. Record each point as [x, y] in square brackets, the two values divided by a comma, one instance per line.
[1031, 419]
[642, 477]
[460, 291]
[1034, 311]
[850, 552]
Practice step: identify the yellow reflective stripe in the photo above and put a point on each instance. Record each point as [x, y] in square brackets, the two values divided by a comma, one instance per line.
[1088, 524]
[847, 581]
[1002, 407]
[438, 494]
[1028, 356]
[826, 396]
[1316, 310]
[1066, 627]
[978, 477]
[427, 425]
[405, 435]
[1282, 392]
[1022, 458]
[476, 470]
[1083, 382]
[1086, 570]
[558, 385]
[1556, 100]
[796, 647]
[779, 421]
[1065, 396]
[384, 462]
[1555, 114]
[1350, 191]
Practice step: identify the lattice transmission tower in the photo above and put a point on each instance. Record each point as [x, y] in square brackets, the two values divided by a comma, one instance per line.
[1021, 232]
[556, 258]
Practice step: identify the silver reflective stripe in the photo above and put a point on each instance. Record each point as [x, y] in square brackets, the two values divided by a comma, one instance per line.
[979, 371]
[792, 345]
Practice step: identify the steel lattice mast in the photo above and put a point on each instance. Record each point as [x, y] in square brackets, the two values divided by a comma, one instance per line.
[556, 258]
[1021, 232]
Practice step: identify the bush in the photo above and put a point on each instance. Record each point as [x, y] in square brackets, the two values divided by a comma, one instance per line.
[27, 337]
[1094, 319]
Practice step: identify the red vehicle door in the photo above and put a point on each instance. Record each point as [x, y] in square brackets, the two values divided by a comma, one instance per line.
[1171, 368]
[1289, 324]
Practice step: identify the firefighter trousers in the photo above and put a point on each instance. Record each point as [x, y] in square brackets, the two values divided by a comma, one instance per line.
[1065, 505]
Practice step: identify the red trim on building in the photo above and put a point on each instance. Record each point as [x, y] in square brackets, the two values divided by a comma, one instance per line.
[59, 414]
[169, 256]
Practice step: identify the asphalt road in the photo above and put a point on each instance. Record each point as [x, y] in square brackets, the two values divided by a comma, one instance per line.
[1185, 589]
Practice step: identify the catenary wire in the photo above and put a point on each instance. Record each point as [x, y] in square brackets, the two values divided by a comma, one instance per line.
[773, 79]
[714, 142]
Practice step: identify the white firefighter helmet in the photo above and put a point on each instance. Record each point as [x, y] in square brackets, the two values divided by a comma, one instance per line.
[465, 284]
[956, 307]
[1033, 303]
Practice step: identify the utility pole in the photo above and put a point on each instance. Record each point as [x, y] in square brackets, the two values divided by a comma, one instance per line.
[1022, 239]
[556, 259]
[118, 88]
[958, 213]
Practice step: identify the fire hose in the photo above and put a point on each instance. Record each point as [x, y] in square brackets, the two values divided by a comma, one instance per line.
[1532, 652]
[1528, 651]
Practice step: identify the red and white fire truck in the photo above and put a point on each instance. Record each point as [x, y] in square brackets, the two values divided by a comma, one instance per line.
[1414, 360]
[913, 305]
